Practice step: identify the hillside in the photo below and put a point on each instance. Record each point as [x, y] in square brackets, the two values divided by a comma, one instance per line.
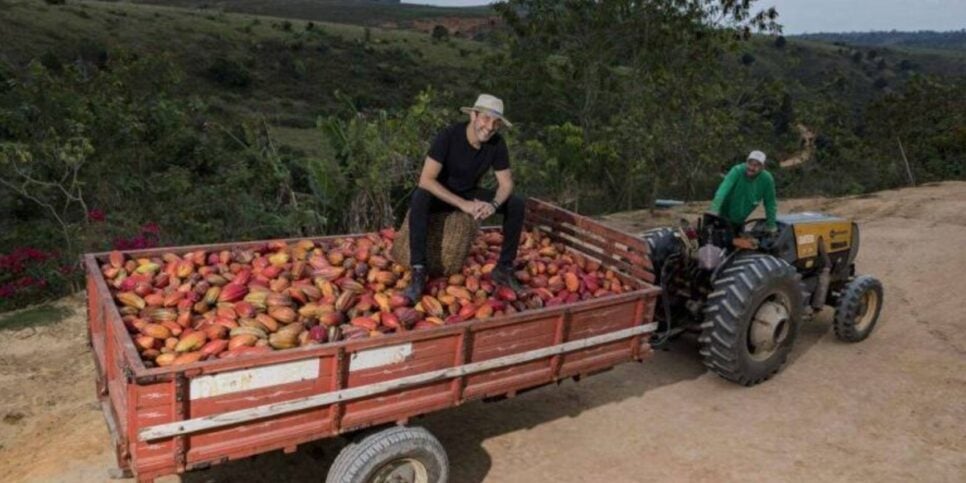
[287, 69]
[858, 73]
[372, 13]
[925, 39]
[284, 70]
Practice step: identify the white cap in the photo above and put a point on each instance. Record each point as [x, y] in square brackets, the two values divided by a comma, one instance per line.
[757, 156]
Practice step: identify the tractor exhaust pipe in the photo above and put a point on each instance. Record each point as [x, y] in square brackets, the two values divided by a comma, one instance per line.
[821, 291]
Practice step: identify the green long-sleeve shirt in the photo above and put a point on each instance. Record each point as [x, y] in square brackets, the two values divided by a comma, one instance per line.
[739, 195]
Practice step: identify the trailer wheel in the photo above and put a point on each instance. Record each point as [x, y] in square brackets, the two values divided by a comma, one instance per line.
[394, 455]
[857, 309]
[751, 318]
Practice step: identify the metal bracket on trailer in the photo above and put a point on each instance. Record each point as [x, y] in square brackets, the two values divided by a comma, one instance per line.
[189, 426]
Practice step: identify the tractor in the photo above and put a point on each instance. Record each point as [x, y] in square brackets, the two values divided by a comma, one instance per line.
[746, 291]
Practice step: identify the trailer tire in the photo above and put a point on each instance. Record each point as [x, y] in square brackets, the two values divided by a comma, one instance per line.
[408, 453]
[857, 309]
[751, 318]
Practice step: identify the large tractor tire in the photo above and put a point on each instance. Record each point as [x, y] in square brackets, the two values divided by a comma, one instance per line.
[857, 309]
[751, 318]
[661, 244]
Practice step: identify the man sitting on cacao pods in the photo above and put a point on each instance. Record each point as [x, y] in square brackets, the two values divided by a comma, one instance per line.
[459, 157]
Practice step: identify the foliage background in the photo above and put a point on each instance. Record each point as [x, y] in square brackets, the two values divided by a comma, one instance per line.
[126, 126]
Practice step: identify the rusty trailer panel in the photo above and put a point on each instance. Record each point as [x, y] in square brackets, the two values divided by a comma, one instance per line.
[174, 419]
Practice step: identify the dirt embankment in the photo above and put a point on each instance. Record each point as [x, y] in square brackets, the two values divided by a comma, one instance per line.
[891, 408]
[808, 148]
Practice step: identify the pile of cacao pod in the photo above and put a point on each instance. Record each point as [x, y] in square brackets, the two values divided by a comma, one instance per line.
[199, 305]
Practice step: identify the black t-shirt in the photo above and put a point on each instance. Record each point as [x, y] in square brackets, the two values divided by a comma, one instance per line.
[463, 165]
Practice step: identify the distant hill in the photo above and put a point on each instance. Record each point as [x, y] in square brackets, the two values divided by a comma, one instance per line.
[858, 73]
[463, 21]
[926, 39]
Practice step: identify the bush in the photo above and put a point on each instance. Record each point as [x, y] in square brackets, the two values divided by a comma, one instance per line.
[440, 32]
[29, 275]
[377, 161]
[229, 73]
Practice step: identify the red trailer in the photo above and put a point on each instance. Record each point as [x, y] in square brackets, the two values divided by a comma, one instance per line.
[170, 420]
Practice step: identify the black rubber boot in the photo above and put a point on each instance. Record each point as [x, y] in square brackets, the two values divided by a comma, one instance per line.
[505, 277]
[414, 291]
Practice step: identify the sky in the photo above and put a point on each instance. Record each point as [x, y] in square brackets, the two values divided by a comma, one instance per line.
[805, 16]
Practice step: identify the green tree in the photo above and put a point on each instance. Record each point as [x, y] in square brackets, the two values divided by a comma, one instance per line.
[377, 159]
[641, 77]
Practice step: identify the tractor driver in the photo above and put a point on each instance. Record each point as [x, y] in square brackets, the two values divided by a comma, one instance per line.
[746, 185]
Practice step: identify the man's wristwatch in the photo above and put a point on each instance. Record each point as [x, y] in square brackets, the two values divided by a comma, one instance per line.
[495, 205]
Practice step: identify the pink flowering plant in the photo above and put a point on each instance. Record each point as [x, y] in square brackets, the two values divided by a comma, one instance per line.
[29, 274]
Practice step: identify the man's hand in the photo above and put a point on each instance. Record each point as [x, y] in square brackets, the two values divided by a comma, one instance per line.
[477, 209]
[486, 210]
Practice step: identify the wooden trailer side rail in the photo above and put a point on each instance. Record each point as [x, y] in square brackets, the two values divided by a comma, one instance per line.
[245, 415]
[615, 249]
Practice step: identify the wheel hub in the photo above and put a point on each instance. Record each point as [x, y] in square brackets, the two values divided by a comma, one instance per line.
[404, 470]
[867, 310]
[768, 330]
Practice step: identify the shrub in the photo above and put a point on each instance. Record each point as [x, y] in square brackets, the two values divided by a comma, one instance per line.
[440, 32]
[230, 73]
[29, 275]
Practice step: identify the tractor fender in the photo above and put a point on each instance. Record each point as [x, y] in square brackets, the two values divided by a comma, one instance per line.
[725, 264]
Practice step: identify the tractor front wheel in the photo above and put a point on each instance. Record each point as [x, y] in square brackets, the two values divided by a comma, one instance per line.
[857, 309]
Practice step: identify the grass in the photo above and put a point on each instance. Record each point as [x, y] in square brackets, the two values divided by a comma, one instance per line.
[38, 316]
[308, 141]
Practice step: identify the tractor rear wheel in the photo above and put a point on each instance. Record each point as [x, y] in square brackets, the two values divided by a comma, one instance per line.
[661, 244]
[751, 318]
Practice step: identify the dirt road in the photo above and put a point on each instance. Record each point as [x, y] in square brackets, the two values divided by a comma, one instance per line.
[892, 408]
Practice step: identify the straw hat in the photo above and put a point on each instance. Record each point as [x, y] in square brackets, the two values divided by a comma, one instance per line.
[489, 105]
